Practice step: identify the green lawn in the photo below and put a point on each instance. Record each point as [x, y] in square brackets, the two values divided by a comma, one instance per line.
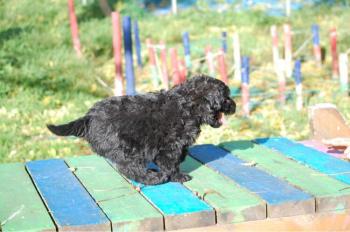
[42, 81]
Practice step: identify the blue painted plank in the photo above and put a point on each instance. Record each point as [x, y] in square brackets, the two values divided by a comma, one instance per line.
[69, 203]
[315, 159]
[273, 190]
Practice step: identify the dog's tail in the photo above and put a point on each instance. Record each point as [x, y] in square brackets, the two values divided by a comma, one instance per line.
[78, 128]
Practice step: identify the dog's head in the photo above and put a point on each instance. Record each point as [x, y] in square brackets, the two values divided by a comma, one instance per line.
[210, 99]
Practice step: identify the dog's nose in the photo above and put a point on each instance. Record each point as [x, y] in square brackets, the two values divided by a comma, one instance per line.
[230, 106]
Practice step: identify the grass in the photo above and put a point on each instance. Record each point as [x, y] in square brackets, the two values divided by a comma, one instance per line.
[42, 81]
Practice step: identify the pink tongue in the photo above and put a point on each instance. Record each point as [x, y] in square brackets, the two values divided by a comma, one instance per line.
[221, 118]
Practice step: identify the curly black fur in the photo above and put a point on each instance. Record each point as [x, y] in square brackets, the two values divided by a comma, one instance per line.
[133, 131]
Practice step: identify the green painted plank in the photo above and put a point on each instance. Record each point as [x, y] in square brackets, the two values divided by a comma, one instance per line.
[330, 193]
[123, 205]
[231, 203]
[21, 208]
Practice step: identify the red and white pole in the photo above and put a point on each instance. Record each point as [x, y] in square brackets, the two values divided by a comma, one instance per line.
[210, 60]
[237, 56]
[163, 57]
[74, 28]
[334, 53]
[222, 66]
[175, 66]
[288, 49]
[117, 51]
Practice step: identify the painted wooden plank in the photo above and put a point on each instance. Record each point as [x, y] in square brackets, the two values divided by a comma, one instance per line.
[69, 203]
[21, 208]
[123, 205]
[330, 193]
[282, 199]
[315, 159]
[323, 148]
[180, 207]
[231, 202]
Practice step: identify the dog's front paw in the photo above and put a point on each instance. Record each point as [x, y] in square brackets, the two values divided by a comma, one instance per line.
[180, 177]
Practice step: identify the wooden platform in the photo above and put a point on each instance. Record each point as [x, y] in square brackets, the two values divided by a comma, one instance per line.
[271, 183]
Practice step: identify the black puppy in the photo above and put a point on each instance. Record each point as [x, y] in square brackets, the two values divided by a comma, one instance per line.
[133, 131]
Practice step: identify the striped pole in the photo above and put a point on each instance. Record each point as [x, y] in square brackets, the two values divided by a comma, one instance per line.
[152, 60]
[245, 85]
[275, 54]
[74, 28]
[237, 56]
[343, 72]
[224, 41]
[163, 57]
[288, 49]
[117, 50]
[129, 68]
[316, 43]
[334, 53]
[210, 60]
[175, 66]
[222, 66]
[174, 6]
[281, 81]
[186, 42]
[298, 84]
[137, 44]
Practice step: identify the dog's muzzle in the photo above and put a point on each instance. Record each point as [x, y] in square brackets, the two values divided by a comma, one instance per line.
[229, 106]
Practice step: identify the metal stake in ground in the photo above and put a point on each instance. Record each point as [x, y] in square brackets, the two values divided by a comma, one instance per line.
[129, 67]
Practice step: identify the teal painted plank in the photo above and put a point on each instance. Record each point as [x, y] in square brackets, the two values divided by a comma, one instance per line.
[70, 204]
[315, 159]
[21, 208]
[278, 194]
[179, 206]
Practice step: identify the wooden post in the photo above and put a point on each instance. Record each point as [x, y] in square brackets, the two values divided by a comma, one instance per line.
[210, 60]
[74, 28]
[175, 66]
[275, 54]
[137, 44]
[334, 53]
[222, 66]
[288, 49]
[117, 50]
[245, 85]
[129, 67]
[298, 84]
[163, 57]
[187, 49]
[152, 60]
[224, 41]
[343, 72]
[316, 43]
[237, 56]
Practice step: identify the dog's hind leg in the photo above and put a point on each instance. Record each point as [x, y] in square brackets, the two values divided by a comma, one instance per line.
[137, 170]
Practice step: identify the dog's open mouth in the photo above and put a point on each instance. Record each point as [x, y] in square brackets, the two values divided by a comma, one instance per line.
[220, 117]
